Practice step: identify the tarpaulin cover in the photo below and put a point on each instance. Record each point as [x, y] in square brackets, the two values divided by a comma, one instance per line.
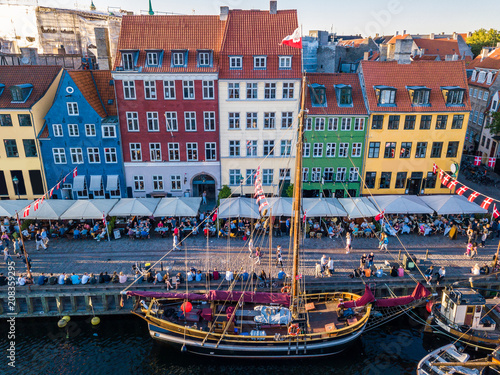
[255, 297]
[365, 299]
[419, 292]
[189, 296]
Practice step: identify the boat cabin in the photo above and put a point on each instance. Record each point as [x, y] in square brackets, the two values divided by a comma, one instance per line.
[466, 307]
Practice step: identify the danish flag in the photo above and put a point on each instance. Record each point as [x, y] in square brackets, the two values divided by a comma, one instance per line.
[26, 211]
[260, 197]
[51, 192]
[259, 192]
[473, 196]
[294, 40]
[35, 205]
[462, 190]
[477, 160]
[58, 185]
[495, 211]
[445, 179]
[441, 174]
[380, 216]
[64, 179]
[434, 168]
[262, 205]
[75, 172]
[486, 203]
[491, 162]
[452, 183]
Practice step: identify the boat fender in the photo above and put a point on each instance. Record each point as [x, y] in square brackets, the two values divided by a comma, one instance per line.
[285, 289]
[62, 323]
[294, 330]
[183, 349]
[95, 321]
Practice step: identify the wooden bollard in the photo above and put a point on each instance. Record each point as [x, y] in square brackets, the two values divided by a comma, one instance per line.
[399, 255]
[427, 254]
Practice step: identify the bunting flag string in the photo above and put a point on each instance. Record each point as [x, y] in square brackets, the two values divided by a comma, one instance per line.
[259, 193]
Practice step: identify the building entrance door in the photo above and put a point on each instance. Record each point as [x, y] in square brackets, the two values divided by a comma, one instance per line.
[415, 183]
[204, 182]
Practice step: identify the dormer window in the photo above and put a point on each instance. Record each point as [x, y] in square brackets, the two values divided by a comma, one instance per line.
[259, 62]
[474, 74]
[285, 62]
[129, 59]
[235, 62]
[453, 95]
[386, 95]
[489, 78]
[344, 95]
[318, 95]
[482, 77]
[154, 58]
[204, 58]
[20, 93]
[419, 95]
[179, 58]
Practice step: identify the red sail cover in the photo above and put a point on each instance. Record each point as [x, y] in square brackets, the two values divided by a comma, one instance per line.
[365, 299]
[189, 296]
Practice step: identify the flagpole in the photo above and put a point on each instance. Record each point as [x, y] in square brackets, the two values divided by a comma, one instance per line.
[24, 248]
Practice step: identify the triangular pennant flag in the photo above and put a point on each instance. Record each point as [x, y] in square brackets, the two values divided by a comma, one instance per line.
[26, 211]
[462, 190]
[495, 211]
[51, 192]
[58, 186]
[35, 205]
[473, 196]
[486, 203]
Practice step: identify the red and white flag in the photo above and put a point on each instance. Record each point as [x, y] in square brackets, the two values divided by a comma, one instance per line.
[477, 160]
[473, 196]
[75, 172]
[104, 218]
[496, 213]
[64, 179]
[452, 183]
[258, 192]
[26, 211]
[260, 197]
[262, 205]
[380, 215]
[58, 186]
[441, 174]
[492, 162]
[294, 40]
[51, 192]
[434, 168]
[462, 190]
[35, 205]
[304, 217]
[486, 203]
[445, 179]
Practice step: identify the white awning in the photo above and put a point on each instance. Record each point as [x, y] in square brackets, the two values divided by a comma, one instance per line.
[112, 183]
[79, 183]
[95, 183]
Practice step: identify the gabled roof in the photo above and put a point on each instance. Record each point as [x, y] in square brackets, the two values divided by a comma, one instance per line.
[438, 47]
[254, 32]
[431, 74]
[492, 61]
[169, 33]
[396, 37]
[41, 77]
[95, 87]
[329, 80]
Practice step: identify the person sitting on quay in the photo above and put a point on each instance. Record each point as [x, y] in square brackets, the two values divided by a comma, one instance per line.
[75, 279]
[440, 275]
[122, 279]
[229, 276]
[52, 280]
[21, 280]
[114, 278]
[476, 270]
[485, 270]
[245, 276]
[106, 278]
[281, 275]
[199, 276]
[61, 278]
[215, 274]
[42, 279]
[85, 278]
[428, 274]
[67, 280]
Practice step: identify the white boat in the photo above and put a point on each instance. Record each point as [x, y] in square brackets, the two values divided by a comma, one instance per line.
[448, 353]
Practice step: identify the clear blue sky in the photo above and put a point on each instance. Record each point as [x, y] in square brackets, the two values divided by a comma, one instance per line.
[344, 17]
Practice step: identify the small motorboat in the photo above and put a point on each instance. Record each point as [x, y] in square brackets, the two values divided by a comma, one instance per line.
[445, 354]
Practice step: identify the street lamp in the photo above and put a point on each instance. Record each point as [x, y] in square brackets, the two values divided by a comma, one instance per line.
[15, 180]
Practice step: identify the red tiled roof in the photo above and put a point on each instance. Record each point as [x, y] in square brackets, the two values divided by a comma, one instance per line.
[484, 84]
[432, 74]
[41, 77]
[329, 80]
[44, 133]
[425, 57]
[490, 62]
[250, 33]
[169, 33]
[375, 56]
[439, 47]
[91, 90]
[395, 37]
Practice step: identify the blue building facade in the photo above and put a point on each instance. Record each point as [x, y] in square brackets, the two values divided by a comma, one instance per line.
[81, 130]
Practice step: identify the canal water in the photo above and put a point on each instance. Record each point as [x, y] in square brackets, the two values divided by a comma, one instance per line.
[121, 345]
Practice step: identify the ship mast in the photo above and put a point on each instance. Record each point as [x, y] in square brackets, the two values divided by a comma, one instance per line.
[297, 198]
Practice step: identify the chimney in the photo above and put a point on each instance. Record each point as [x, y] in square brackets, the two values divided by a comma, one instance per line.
[273, 7]
[397, 33]
[404, 32]
[469, 34]
[102, 44]
[366, 56]
[484, 53]
[431, 36]
[224, 12]
[455, 35]
[376, 35]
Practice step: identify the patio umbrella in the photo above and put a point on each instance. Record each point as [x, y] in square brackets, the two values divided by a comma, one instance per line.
[9, 208]
[50, 209]
[280, 206]
[238, 207]
[183, 206]
[452, 205]
[358, 207]
[85, 209]
[135, 207]
[400, 204]
[323, 207]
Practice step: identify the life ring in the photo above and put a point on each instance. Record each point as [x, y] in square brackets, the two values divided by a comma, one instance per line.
[285, 289]
[294, 330]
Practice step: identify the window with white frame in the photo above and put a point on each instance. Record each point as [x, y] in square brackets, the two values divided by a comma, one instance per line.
[482, 77]
[235, 62]
[178, 58]
[359, 124]
[152, 59]
[127, 61]
[175, 182]
[288, 90]
[90, 130]
[306, 150]
[139, 183]
[76, 155]
[269, 147]
[269, 120]
[328, 174]
[318, 150]
[234, 120]
[73, 130]
[309, 124]
[234, 148]
[110, 155]
[319, 124]
[333, 124]
[169, 89]
[149, 90]
[356, 150]
[210, 151]
[259, 62]
[251, 148]
[235, 177]
[58, 130]
[158, 183]
[286, 119]
[132, 121]
[471, 91]
[93, 155]
[173, 152]
[346, 124]
[251, 90]
[192, 151]
[343, 150]
[353, 174]
[208, 89]
[270, 90]
[475, 93]
[209, 121]
[72, 108]
[267, 176]
[305, 174]
[153, 123]
[489, 78]
[341, 171]
[108, 131]
[485, 96]
[155, 151]
[190, 121]
[285, 174]
[188, 89]
[285, 62]
[316, 174]
[135, 152]
[204, 58]
[233, 89]
[171, 121]
[250, 176]
[129, 89]
[59, 155]
[331, 150]
[286, 147]
[251, 120]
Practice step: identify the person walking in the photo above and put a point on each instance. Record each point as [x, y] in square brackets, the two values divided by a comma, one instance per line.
[175, 243]
[330, 267]
[384, 241]
[204, 197]
[258, 255]
[39, 240]
[250, 248]
[484, 236]
[5, 239]
[348, 246]
[279, 257]
[6, 256]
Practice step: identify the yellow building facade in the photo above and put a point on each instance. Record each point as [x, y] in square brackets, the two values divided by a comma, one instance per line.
[26, 95]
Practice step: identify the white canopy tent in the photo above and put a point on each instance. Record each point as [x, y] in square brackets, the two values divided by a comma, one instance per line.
[89, 209]
[452, 205]
[280, 206]
[238, 207]
[135, 207]
[183, 206]
[9, 208]
[50, 209]
[358, 207]
[323, 207]
[400, 204]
